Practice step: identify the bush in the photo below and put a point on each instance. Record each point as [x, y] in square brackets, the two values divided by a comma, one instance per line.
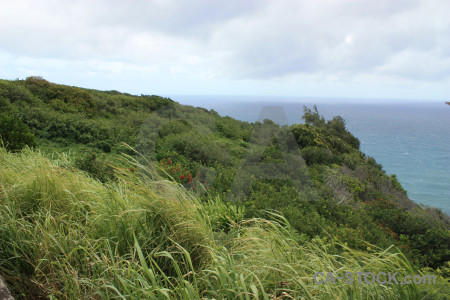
[175, 127]
[14, 134]
[96, 165]
[232, 129]
[105, 146]
[15, 93]
[198, 147]
[317, 155]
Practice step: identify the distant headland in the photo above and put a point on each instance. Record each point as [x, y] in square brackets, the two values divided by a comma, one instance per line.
[448, 103]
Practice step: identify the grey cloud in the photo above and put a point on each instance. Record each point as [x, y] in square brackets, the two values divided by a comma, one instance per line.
[83, 28]
[238, 39]
[272, 57]
[373, 9]
[282, 43]
[180, 17]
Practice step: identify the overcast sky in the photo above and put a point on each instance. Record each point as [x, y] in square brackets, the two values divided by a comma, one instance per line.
[316, 48]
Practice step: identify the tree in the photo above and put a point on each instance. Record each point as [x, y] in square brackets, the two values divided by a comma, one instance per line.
[14, 134]
[337, 124]
[313, 117]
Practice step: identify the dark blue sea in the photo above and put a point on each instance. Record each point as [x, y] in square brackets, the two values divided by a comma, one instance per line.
[409, 138]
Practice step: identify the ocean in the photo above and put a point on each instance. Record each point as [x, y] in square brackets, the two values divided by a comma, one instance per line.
[411, 139]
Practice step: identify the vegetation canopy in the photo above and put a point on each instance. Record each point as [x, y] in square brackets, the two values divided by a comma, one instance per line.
[206, 207]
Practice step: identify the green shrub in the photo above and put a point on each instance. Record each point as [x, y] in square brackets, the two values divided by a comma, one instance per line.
[305, 135]
[202, 148]
[14, 134]
[105, 146]
[96, 165]
[429, 239]
[175, 127]
[16, 93]
[318, 155]
[230, 128]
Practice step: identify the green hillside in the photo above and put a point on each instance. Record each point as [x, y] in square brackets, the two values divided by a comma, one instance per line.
[117, 195]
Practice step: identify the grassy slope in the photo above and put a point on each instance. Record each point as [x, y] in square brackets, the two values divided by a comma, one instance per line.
[67, 235]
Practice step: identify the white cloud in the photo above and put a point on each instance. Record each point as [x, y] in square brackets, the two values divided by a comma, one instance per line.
[348, 39]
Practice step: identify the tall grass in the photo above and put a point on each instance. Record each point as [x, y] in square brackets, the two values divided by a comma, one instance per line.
[66, 235]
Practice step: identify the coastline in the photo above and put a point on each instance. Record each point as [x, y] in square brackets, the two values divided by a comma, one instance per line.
[377, 125]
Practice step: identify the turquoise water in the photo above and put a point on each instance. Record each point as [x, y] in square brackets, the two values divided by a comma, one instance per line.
[411, 140]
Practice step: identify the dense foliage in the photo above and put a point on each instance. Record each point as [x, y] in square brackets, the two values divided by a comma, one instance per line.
[312, 174]
[14, 134]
